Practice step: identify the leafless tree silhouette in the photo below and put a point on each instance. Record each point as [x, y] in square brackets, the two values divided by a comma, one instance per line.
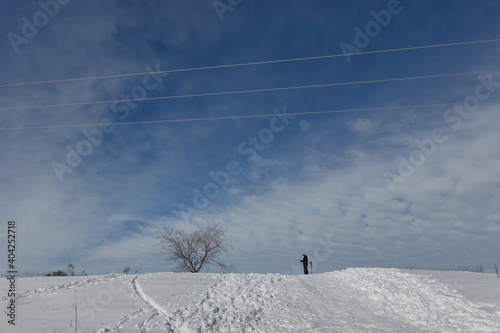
[194, 251]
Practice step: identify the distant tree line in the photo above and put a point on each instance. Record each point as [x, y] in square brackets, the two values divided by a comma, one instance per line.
[70, 271]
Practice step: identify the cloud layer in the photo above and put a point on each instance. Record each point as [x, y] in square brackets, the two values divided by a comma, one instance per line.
[410, 187]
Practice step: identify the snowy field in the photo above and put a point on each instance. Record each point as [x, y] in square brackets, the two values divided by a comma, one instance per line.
[353, 300]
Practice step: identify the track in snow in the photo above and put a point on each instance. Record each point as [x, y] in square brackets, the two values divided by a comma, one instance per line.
[150, 317]
[157, 309]
[353, 300]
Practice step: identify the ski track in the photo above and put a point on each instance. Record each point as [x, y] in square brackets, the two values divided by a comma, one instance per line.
[232, 304]
[118, 326]
[157, 309]
[135, 322]
[57, 289]
[352, 300]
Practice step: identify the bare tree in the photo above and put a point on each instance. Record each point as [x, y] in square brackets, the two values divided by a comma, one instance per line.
[194, 251]
[71, 269]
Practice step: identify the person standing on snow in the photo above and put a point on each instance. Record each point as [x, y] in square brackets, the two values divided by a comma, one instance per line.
[305, 262]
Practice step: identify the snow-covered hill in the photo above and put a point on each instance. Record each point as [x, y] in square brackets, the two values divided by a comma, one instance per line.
[353, 300]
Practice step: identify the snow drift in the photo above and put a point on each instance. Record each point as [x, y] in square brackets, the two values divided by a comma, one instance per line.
[353, 300]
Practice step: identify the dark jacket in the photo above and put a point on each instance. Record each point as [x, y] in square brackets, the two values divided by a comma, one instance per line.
[305, 262]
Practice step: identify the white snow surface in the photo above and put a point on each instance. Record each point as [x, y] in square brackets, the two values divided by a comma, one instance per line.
[352, 300]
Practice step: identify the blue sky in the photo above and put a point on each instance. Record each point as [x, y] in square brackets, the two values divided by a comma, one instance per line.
[388, 188]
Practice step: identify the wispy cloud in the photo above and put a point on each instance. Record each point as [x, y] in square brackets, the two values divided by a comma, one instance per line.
[317, 183]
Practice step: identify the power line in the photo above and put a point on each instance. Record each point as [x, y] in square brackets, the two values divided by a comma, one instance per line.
[247, 116]
[248, 91]
[251, 63]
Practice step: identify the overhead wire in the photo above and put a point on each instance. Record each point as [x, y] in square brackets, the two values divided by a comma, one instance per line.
[247, 116]
[248, 91]
[251, 63]
[245, 91]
